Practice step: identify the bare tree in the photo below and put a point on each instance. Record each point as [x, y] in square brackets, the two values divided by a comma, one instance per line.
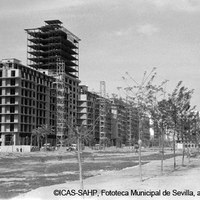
[79, 135]
[143, 96]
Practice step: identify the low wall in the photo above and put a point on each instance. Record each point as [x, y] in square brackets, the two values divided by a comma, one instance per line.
[15, 148]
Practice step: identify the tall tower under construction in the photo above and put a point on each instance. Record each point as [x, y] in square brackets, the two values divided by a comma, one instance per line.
[54, 50]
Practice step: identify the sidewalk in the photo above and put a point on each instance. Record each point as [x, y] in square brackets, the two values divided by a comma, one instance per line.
[180, 183]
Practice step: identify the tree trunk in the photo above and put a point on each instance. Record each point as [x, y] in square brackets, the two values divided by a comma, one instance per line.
[139, 155]
[31, 141]
[140, 163]
[174, 148]
[183, 155]
[38, 141]
[41, 142]
[80, 163]
[46, 142]
[162, 150]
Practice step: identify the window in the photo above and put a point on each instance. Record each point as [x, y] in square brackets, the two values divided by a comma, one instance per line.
[12, 100]
[22, 128]
[1, 73]
[11, 127]
[12, 118]
[8, 139]
[25, 127]
[12, 90]
[12, 109]
[12, 81]
[12, 73]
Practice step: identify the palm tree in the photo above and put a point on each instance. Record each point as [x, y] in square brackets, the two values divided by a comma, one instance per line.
[35, 132]
[46, 130]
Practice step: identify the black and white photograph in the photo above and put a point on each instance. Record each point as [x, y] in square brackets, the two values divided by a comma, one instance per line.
[99, 99]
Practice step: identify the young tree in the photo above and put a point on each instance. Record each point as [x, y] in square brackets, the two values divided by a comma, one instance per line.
[144, 97]
[179, 102]
[159, 116]
[79, 135]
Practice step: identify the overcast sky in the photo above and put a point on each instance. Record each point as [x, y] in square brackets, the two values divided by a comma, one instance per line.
[117, 36]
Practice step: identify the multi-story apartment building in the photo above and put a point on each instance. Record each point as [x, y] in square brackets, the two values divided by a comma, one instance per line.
[119, 131]
[145, 131]
[125, 124]
[132, 125]
[189, 130]
[89, 108]
[88, 112]
[54, 50]
[26, 102]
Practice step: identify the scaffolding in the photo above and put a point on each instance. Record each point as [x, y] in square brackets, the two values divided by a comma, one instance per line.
[60, 99]
[54, 50]
[45, 43]
[102, 112]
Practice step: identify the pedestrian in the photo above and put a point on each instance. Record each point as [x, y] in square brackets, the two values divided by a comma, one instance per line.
[136, 147]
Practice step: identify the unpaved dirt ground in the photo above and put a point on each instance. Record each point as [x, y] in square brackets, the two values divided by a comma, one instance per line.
[181, 183]
[20, 172]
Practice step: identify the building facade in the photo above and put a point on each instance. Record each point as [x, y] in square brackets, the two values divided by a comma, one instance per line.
[27, 102]
[90, 114]
[125, 123]
[54, 50]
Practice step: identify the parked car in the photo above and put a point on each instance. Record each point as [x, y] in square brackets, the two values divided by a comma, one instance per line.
[74, 147]
[47, 147]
